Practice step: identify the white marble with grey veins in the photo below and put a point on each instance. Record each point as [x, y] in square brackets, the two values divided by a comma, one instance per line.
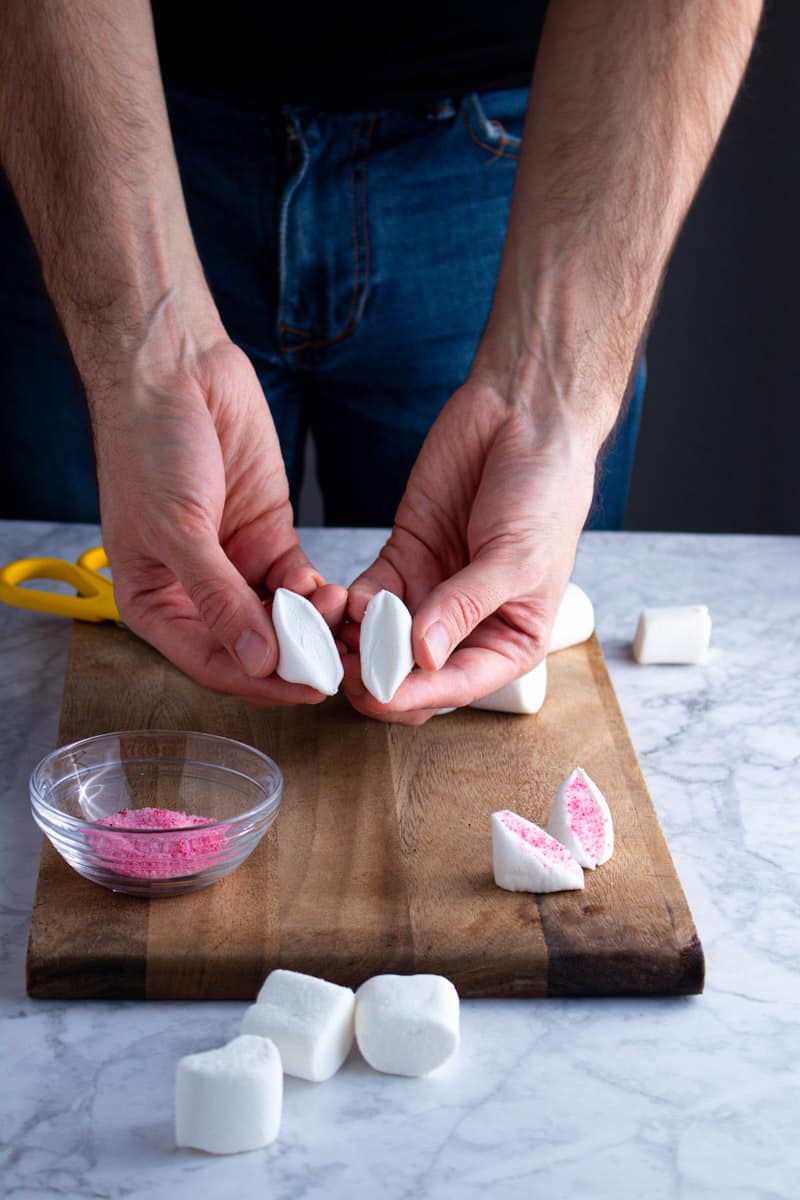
[686, 1099]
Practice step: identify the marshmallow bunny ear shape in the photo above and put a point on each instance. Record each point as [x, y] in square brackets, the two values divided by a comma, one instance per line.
[308, 652]
[574, 621]
[385, 645]
[527, 859]
[581, 820]
[523, 695]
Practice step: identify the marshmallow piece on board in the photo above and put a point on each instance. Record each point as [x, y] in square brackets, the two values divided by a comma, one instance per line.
[308, 652]
[523, 695]
[230, 1099]
[527, 859]
[385, 645]
[677, 634]
[580, 819]
[407, 1024]
[308, 1019]
[574, 621]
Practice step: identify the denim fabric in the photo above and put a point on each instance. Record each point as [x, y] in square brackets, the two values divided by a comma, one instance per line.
[352, 256]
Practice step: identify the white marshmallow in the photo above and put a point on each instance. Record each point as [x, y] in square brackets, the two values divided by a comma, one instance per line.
[527, 859]
[574, 621]
[678, 634]
[308, 1019]
[580, 819]
[407, 1024]
[308, 652]
[230, 1099]
[385, 645]
[523, 695]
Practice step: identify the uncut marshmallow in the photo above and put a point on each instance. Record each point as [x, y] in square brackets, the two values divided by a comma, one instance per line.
[308, 652]
[230, 1099]
[527, 859]
[407, 1024]
[308, 1019]
[385, 645]
[574, 621]
[580, 819]
[678, 634]
[523, 695]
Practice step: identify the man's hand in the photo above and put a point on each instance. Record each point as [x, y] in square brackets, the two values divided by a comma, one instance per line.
[627, 103]
[196, 518]
[481, 551]
[193, 493]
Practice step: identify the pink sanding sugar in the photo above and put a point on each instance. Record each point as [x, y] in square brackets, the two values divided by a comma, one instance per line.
[548, 848]
[585, 818]
[150, 856]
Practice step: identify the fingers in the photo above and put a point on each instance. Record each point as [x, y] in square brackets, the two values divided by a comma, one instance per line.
[330, 601]
[181, 637]
[456, 606]
[225, 603]
[377, 577]
[489, 660]
[294, 570]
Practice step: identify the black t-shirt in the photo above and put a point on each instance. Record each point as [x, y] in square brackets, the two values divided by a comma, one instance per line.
[401, 54]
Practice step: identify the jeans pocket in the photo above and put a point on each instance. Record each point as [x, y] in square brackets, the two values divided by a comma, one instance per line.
[495, 119]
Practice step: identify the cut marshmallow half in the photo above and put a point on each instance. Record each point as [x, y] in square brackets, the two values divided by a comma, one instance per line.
[527, 859]
[678, 634]
[230, 1099]
[308, 1019]
[580, 819]
[308, 652]
[523, 695]
[385, 645]
[574, 621]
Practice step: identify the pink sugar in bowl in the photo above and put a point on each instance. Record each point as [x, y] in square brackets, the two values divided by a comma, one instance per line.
[154, 812]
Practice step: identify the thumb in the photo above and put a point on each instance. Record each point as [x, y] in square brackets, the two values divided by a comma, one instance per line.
[226, 604]
[454, 608]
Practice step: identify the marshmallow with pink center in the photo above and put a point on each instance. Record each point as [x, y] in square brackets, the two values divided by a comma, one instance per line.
[581, 820]
[527, 859]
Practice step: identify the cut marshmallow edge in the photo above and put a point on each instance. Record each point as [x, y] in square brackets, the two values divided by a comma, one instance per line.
[579, 833]
[307, 651]
[230, 1099]
[581, 820]
[385, 645]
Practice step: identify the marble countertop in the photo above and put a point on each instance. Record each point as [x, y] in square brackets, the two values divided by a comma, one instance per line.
[678, 1099]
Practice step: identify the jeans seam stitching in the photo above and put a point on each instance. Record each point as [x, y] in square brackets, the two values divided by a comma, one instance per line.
[351, 323]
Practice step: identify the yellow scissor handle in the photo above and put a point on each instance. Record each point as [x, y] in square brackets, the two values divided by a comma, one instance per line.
[95, 598]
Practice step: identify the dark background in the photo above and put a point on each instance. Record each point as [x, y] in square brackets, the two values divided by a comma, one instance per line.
[719, 448]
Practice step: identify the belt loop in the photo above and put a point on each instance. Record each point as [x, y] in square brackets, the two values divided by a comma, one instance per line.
[442, 110]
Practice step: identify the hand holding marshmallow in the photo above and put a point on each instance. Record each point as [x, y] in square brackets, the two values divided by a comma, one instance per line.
[481, 550]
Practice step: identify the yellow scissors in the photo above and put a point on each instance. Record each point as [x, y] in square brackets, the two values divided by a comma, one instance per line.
[95, 598]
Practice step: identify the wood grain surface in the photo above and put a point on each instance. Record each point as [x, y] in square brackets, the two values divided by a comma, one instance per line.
[380, 859]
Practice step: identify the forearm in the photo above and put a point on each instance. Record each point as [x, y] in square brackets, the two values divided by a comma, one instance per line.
[86, 145]
[627, 103]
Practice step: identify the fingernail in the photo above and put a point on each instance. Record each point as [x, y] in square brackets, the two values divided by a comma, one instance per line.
[252, 652]
[437, 640]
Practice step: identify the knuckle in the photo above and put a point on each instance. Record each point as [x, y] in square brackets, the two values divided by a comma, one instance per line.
[465, 612]
[215, 606]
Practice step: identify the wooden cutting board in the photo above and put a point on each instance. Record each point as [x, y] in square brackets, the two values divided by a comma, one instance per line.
[380, 859]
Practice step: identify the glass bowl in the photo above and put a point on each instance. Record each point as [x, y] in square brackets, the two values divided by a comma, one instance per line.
[153, 812]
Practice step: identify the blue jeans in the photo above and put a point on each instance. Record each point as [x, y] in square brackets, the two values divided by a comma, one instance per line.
[352, 256]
